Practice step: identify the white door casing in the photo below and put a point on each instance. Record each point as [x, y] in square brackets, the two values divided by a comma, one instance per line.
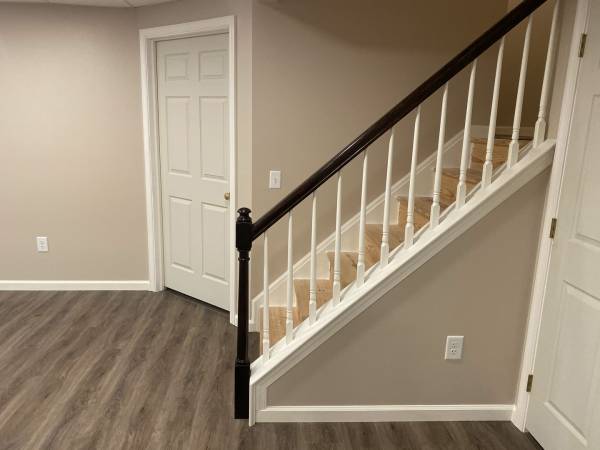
[192, 90]
[564, 407]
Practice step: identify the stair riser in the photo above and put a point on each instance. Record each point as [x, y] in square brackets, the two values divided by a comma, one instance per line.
[421, 216]
[499, 156]
[347, 269]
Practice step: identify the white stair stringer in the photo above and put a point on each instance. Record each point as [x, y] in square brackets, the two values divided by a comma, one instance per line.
[378, 281]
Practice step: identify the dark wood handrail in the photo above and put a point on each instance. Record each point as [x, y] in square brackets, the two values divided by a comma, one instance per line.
[394, 115]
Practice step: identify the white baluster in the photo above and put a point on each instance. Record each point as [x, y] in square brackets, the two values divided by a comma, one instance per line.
[461, 188]
[409, 229]
[360, 265]
[289, 318]
[312, 291]
[385, 235]
[265, 337]
[513, 148]
[540, 125]
[488, 165]
[337, 271]
[437, 184]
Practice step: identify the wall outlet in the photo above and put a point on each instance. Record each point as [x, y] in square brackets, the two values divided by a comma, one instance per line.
[454, 347]
[274, 179]
[42, 243]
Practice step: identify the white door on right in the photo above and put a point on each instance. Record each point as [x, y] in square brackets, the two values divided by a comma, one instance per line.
[564, 407]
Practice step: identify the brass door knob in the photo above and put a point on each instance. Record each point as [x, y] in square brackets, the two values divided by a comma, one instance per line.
[227, 195]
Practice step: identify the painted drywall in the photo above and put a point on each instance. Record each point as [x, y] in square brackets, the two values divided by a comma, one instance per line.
[333, 69]
[71, 155]
[72, 161]
[393, 353]
[322, 81]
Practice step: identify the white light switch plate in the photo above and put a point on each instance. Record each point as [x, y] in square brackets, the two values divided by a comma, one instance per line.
[42, 243]
[274, 179]
[454, 347]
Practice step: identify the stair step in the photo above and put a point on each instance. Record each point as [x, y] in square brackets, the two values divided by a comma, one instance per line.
[301, 287]
[499, 155]
[375, 230]
[450, 182]
[348, 261]
[277, 318]
[421, 212]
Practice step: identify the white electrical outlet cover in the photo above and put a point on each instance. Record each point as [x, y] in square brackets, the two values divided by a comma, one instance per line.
[454, 347]
[274, 179]
[42, 243]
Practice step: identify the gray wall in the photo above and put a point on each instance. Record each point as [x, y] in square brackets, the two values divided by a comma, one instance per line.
[392, 353]
[71, 156]
[72, 160]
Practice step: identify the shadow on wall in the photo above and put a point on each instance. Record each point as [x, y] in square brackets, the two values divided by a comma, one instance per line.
[352, 21]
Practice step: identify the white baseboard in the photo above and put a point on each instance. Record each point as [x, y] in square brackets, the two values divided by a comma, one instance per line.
[74, 285]
[384, 413]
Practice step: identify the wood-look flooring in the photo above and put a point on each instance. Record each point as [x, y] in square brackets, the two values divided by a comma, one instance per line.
[141, 370]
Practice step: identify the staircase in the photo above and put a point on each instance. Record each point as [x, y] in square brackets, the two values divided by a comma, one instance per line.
[373, 232]
[490, 170]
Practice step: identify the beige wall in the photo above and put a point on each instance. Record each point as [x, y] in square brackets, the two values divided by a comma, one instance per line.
[72, 165]
[71, 157]
[479, 286]
[324, 71]
[71, 161]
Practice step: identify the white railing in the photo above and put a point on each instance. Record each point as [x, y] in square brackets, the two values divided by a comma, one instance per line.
[513, 149]
[312, 290]
[337, 271]
[435, 213]
[289, 313]
[385, 233]
[409, 228]
[266, 319]
[486, 177]
[360, 265]
[461, 188]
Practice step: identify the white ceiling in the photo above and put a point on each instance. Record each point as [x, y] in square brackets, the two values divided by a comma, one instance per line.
[111, 3]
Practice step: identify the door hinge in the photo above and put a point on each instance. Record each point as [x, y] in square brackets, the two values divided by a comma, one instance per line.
[553, 228]
[529, 383]
[582, 45]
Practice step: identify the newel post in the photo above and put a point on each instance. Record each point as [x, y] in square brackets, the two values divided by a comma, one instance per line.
[243, 243]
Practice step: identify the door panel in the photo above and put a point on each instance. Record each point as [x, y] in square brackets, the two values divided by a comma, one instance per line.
[193, 84]
[564, 408]
[214, 138]
[177, 129]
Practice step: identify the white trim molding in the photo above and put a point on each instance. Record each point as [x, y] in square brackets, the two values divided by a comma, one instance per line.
[74, 285]
[380, 280]
[148, 39]
[519, 415]
[384, 413]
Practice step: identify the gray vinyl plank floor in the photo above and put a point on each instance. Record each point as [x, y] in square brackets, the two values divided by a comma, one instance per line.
[142, 370]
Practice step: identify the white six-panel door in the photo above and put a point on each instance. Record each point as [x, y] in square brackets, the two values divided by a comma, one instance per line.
[192, 80]
[564, 408]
